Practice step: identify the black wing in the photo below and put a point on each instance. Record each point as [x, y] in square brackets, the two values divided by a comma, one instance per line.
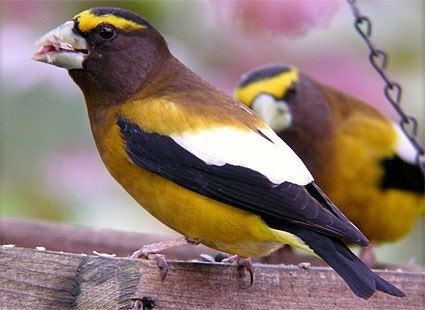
[288, 206]
[401, 175]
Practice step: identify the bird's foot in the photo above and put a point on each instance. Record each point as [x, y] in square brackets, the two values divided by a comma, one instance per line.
[161, 261]
[150, 252]
[243, 262]
[367, 255]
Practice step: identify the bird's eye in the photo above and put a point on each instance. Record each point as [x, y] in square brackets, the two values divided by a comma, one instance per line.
[106, 32]
[290, 93]
[292, 90]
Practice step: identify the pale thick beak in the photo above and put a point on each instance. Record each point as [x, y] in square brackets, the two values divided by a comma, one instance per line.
[62, 47]
[275, 113]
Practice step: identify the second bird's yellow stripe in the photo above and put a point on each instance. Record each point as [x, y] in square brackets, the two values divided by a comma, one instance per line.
[277, 86]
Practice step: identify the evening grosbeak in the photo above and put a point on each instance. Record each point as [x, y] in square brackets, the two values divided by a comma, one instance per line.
[361, 159]
[192, 156]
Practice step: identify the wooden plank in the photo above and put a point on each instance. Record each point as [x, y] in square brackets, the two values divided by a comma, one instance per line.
[48, 280]
[78, 239]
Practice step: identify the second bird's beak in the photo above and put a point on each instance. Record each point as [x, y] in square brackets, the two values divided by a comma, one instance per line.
[62, 47]
[275, 113]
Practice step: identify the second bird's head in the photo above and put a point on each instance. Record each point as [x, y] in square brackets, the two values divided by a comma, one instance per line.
[270, 91]
[106, 50]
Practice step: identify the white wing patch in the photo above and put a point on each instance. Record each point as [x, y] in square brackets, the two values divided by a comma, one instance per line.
[228, 145]
[404, 148]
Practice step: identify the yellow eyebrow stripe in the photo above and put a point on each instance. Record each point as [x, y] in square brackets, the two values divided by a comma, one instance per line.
[87, 21]
[277, 86]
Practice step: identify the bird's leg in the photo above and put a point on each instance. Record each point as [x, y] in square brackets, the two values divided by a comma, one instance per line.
[150, 251]
[367, 255]
[243, 262]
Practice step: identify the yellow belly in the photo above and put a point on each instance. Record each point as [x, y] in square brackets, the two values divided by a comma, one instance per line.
[212, 223]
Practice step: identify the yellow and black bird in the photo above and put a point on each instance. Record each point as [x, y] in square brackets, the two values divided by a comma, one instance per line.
[192, 156]
[362, 160]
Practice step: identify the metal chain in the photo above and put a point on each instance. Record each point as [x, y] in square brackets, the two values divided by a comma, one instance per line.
[392, 90]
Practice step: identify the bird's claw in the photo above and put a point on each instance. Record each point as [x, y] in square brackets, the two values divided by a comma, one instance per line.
[150, 251]
[243, 262]
[160, 259]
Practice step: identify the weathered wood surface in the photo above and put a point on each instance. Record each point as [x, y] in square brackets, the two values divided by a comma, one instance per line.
[78, 239]
[31, 279]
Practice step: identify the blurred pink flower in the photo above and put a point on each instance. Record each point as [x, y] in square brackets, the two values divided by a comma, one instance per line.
[28, 11]
[292, 18]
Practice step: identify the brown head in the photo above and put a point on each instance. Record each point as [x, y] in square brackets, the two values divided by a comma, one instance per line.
[109, 52]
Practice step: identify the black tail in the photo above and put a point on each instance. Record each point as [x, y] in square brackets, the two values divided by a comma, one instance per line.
[362, 281]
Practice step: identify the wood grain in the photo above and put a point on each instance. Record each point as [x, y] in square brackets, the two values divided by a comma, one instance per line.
[31, 279]
[78, 239]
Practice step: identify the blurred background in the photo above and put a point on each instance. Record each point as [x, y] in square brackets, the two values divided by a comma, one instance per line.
[50, 168]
